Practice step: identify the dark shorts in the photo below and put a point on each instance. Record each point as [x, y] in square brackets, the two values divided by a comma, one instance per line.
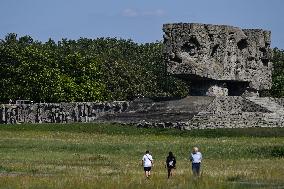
[147, 168]
[196, 168]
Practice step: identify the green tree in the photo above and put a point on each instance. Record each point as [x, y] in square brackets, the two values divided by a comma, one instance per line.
[277, 89]
[83, 70]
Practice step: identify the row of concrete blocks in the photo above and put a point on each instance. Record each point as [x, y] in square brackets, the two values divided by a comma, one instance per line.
[209, 125]
[58, 112]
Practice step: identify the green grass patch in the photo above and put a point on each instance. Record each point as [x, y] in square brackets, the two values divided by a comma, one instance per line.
[109, 156]
[117, 129]
[276, 151]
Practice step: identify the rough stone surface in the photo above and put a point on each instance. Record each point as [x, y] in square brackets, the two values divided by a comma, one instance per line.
[58, 112]
[231, 112]
[192, 112]
[219, 55]
[149, 111]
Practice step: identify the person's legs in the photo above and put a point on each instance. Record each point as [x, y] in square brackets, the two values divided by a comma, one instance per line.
[172, 171]
[196, 169]
[169, 172]
[147, 171]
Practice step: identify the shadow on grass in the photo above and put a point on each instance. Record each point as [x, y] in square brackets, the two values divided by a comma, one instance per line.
[118, 129]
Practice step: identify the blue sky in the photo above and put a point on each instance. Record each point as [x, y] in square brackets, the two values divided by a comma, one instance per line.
[139, 20]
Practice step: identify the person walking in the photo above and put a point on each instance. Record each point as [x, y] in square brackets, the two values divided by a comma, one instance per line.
[196, 158]
[147, 163]
[170, 164]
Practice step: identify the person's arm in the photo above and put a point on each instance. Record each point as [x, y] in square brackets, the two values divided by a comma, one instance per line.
[174, 162]
[152, 161]
[190, 157]
[142, 161]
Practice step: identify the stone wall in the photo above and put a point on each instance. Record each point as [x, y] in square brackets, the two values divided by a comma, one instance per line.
[206, 120]
[188, 113]
[58, 112]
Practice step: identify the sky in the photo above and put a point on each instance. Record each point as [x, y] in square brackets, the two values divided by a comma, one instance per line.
[139, 20]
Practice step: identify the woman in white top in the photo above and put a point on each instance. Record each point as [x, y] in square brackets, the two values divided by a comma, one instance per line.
[195, 158]
[147, 163]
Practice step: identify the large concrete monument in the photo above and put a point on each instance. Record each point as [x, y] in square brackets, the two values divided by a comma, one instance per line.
[219, 60]
[226, 68]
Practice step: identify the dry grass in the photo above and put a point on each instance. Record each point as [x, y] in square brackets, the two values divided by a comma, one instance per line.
[34, 156]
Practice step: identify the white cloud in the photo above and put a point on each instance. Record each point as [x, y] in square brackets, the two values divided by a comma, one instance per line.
[157, 12]
[135, 13]
[129, 13]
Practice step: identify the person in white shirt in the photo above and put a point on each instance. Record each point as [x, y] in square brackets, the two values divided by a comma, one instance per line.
[195, 158]
[147, 163]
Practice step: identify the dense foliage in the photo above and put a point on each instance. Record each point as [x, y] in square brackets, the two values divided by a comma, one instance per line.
[277, 89]
[93, 70]
[83, 70]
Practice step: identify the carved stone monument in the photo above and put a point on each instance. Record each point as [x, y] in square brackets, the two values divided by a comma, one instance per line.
[219, 60]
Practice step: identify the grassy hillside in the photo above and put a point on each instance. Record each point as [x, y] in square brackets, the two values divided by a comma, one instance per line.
[109, 156]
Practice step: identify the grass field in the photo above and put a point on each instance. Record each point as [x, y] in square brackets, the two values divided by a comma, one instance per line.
[109, 156]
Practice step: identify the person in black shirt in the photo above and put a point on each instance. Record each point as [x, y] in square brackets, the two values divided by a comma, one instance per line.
[170, 164]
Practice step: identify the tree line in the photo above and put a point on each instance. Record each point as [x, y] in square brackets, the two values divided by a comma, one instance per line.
[100, 69]
[83, 70]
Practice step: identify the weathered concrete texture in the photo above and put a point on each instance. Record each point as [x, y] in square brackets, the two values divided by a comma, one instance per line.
[192, 112]
[280, 101]
[230, 112]
[233, 112]
[223, 56]
[58, 112]
[147, 110]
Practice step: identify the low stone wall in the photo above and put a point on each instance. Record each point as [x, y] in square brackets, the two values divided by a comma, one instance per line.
[58, 112]
[184, 114]
[209, 121]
